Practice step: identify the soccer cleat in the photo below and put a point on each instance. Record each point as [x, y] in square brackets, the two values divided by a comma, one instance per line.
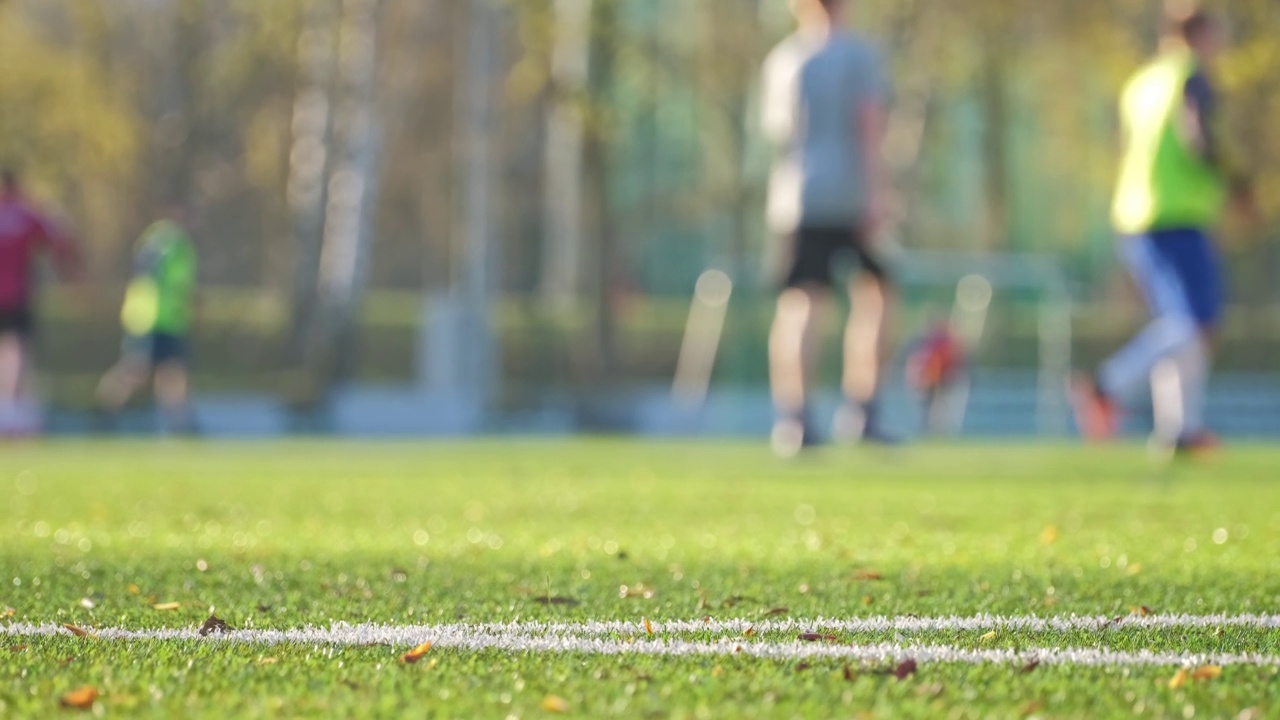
[853, 424]
[1097, 415]
[1198, 445]
[791, 436]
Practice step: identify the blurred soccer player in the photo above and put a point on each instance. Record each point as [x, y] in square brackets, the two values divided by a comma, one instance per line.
[25, 234]
[824, 111]
[156, 316]
[1177, 175]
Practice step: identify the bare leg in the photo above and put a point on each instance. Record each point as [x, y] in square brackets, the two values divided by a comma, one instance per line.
[12, 367]
[792, 345]
[172, 393]
[865, 338]
[121, 383]
[12, 380]
[866, 351]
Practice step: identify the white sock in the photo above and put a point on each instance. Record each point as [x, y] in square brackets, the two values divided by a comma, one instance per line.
[1193, 375]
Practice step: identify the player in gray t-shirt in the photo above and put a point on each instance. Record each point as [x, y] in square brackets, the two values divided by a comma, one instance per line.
[824, 111]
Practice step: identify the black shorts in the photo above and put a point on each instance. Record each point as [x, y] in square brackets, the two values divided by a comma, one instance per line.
[17, 321]
[157, 348]
[817, 253]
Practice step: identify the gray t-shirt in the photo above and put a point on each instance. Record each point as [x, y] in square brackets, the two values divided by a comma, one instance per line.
[814, 86]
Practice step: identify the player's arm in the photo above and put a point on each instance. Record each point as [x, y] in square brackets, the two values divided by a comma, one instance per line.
[871, 124]
[776, 112]
[1205, 131]
[64, 248]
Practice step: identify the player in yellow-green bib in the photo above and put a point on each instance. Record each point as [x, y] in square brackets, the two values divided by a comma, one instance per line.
[1177, 175]
[156, 316]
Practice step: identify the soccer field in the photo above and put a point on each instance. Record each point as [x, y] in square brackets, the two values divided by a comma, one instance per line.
[594, 578]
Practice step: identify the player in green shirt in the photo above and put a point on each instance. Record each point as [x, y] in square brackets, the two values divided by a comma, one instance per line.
[1178, 174]
[156, 316]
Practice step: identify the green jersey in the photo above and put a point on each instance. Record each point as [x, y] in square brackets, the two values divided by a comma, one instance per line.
[161, 295]
[1166, 181]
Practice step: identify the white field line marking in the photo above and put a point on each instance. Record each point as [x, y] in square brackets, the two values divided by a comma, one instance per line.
[591, 638]
[900, 623]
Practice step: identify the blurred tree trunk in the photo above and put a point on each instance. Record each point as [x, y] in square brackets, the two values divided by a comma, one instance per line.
[994, 95]
[309, 162]
[352, 189]
[598, 160]
[563, 184]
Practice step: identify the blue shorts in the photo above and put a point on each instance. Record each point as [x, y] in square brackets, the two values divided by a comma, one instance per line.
[1179, 273]
[157, 348]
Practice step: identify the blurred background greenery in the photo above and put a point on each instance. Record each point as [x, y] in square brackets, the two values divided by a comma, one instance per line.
[1002, 139]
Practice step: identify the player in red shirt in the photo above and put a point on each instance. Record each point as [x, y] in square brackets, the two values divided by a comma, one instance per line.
[25, 235]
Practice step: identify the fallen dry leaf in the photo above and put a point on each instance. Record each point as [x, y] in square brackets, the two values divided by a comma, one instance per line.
[777, 611]
[750, 632]
[1208, 672]
[1179, 679]
[8, 612]
[1031, 666]
[213, 626]
[905, 669]
[415, 654]
[1139, 610]
[867, 575]
[80, 699]
[648, 626]
[1049, 535]
[988, 637]
[77, 631]
[17, 648]
[166, 606]
[555, 704]
[557, 600]
[817, 637]
[849, 675]
[803, 666]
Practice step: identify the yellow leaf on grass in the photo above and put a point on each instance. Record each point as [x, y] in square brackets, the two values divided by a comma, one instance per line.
[989, 636]
[1049, 535]
[80, 699]
[648, 626]
[8, 612]
[555, 704]
[166, 606]
[77, 631]
[134, 589]
[415, 654]
[1208, 672]
[1179, 679]
[749, 632]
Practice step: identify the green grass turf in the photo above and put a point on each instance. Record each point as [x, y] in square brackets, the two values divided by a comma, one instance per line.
[286, 535]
